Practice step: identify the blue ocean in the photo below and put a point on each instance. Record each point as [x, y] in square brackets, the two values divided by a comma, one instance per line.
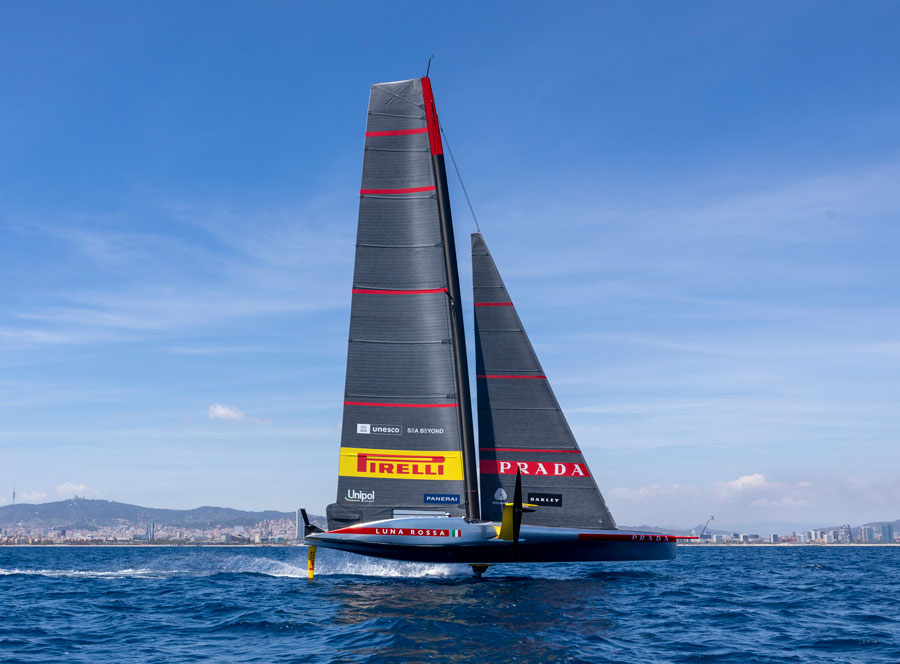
[716, 604]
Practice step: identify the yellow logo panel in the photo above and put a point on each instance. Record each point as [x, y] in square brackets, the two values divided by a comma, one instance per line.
[400, 464]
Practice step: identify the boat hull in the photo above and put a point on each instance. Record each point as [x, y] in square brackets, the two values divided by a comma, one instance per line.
[453, 540]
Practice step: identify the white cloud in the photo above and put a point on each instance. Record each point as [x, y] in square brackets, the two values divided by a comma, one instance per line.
[730, 500]
[655, 492]
[758, 492]
[726, 490]
[25, 497]
[219, 411]
[70, 488]
[276, 260]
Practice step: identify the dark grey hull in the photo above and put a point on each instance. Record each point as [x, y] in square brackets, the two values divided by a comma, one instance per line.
[455, 540]
[503, 552]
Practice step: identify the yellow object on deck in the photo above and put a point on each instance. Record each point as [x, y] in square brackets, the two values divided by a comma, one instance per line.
[506, 525]
[311, 567]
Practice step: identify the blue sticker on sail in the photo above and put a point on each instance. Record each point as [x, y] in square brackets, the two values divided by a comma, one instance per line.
[442, 499]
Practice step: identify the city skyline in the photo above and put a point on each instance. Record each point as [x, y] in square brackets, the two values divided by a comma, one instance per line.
[95, 520]
[693, 210]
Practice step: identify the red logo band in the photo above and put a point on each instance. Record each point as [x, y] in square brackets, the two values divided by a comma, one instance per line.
[550, 468]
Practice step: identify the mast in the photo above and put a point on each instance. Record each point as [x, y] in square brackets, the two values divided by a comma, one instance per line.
[473, 505]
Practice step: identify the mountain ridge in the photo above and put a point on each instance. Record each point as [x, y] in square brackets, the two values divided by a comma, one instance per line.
[88, 514]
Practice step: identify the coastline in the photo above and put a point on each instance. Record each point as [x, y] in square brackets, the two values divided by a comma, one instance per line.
[132, 545]
[776, 544]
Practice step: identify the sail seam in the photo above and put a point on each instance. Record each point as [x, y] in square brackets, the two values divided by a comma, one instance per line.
[407, 190]
[434, 245]
[490, 408]
[400, 405]
[395, 115]
[522, 449]
[368, 149]
[376, 341]
[398, 132]
[404, 398]
[405, 198]
[377, 291]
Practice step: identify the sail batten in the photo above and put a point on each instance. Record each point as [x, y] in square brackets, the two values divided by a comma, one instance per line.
[521, 426]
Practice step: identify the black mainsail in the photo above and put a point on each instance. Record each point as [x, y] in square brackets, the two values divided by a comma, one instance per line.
[407, 441]
[520, 424]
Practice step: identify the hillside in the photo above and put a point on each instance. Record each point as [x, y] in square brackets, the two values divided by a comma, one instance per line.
[83, 513]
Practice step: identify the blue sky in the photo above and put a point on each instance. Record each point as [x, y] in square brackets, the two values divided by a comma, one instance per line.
[694, 207]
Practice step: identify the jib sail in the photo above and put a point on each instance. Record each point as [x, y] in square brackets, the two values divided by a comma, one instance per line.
[520, 424]
[406, 410]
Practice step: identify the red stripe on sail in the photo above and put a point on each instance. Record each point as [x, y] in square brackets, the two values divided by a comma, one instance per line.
[398, 132]
[400, 405]
[409, 190]
[375, 291]
[522, 449]
[506, 376]
[493, 304]
[434, 129]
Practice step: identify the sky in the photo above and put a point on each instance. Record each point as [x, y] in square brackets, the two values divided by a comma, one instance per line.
[693, 205]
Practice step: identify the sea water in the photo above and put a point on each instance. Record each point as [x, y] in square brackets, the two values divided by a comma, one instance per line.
[713, 604]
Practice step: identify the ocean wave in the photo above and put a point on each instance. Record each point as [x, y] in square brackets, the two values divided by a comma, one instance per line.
[329, 563]
[92, 574]
[256, 606]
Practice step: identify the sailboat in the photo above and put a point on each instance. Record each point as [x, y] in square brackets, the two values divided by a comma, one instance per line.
[408, 473]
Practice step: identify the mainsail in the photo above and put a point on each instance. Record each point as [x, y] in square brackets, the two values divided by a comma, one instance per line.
[520, 424]
[406, 438]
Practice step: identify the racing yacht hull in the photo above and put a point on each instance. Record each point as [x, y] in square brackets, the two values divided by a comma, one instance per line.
[455, 540]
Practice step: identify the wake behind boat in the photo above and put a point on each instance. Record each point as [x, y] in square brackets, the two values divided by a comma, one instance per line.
[408, 478]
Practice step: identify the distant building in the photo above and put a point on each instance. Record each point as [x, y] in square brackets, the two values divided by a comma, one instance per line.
[843, 534]
[151, 532]
[887, 533]
[773, 538]
[866, 534]
[802, 538]
[299, 533]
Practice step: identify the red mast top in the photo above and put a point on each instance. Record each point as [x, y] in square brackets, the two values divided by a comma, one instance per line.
[434, 129]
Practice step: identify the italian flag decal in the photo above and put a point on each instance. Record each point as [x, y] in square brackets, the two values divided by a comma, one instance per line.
[455, 533]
